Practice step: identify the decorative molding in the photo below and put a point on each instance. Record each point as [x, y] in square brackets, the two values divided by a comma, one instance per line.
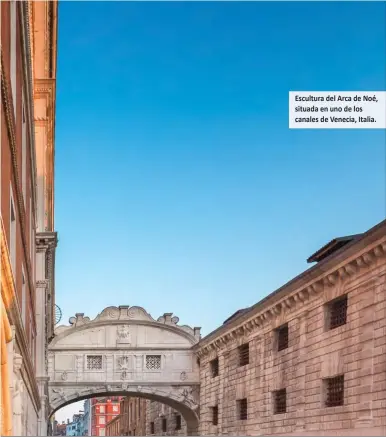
[129, 315]
[9, 296]
[292, 302]
[10, 122]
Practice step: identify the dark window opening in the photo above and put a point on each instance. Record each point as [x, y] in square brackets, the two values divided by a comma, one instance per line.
[282, 337]
[214, 367]
[338, 312]
[152, 428]
[178, 422]
[215, 415]
[280, 401]
[243, 354]
[163, 425]
[242, 409]
[335, 391]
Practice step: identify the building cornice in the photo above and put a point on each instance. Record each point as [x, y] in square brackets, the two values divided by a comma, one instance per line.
[9, 296]
[10, 123]
[328, 273]
[24, 8]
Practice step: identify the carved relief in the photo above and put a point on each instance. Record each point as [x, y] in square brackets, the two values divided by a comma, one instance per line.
[123, 362]
[123, 335]
[183, 376]
[64, 376]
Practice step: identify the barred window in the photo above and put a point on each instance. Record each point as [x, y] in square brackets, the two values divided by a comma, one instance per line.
[338, 312]
[214, 367]
[153, 362]
[282, 337]
[242, 409]
[280, 401]
[152, 431]
[335, 391]
[243, 354]
[215, 415]
[164, 425]
[178, 422]
[94, 362]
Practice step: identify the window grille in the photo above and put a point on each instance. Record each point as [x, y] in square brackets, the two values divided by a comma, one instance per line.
[164, 425]
[280, 401]
[282, 338]
[214, 367]
[243, 354]
[153, 362]
[178, 422]
[94, 362]
[242, 409]
[335, 391]
[215, 415]
[338, 312]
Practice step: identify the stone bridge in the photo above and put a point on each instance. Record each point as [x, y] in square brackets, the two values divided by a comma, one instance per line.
[125, 352]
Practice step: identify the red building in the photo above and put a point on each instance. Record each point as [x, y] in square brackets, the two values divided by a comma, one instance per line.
[102, 411]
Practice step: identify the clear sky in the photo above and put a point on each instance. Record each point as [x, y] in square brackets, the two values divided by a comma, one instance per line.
[179, 186]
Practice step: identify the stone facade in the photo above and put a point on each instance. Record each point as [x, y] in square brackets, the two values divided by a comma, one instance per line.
[307, 360]
[132, 417]
[125, 352]
[163, 420]
[28, 55]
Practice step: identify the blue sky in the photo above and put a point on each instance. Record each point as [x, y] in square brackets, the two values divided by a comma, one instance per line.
[179, 186]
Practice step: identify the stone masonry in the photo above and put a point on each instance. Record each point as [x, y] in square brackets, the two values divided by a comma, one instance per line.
[165, 420]
[323, 372]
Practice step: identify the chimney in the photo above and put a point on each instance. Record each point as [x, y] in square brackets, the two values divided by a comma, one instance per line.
[197, 332]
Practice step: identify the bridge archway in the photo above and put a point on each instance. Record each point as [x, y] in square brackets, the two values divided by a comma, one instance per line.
[125, 352]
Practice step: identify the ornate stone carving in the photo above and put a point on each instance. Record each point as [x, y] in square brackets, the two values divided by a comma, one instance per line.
[124, 386]
[123, 362]
[132, 313]
[60, 394]
[64, 376]
[183, 376]
[123, 335]
[186, 396]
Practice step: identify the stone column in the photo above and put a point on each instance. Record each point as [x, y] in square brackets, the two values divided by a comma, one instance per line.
[17, 401]
[43, 414]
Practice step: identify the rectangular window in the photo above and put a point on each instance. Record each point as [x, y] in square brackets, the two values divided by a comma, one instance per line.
[24, 153]
[242, 409]
[280, 401]
[215, 415]
[23, 298]
[102, 420]
[337, 312]
[13, 12]
[335, 391]
[164, 425]
[178, 422]
[214, 367]
[282, 337]
[243, 351]
[102, 409]
[153, 362]
[102, 431]
[115, 408]
[152, 428]
[94, 362]
[12, 242]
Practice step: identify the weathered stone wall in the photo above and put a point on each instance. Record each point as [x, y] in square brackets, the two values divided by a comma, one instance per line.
[356, 349]
[156, 413]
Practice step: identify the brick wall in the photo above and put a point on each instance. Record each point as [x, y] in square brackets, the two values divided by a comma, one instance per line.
[245, 395]
[161, 415]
